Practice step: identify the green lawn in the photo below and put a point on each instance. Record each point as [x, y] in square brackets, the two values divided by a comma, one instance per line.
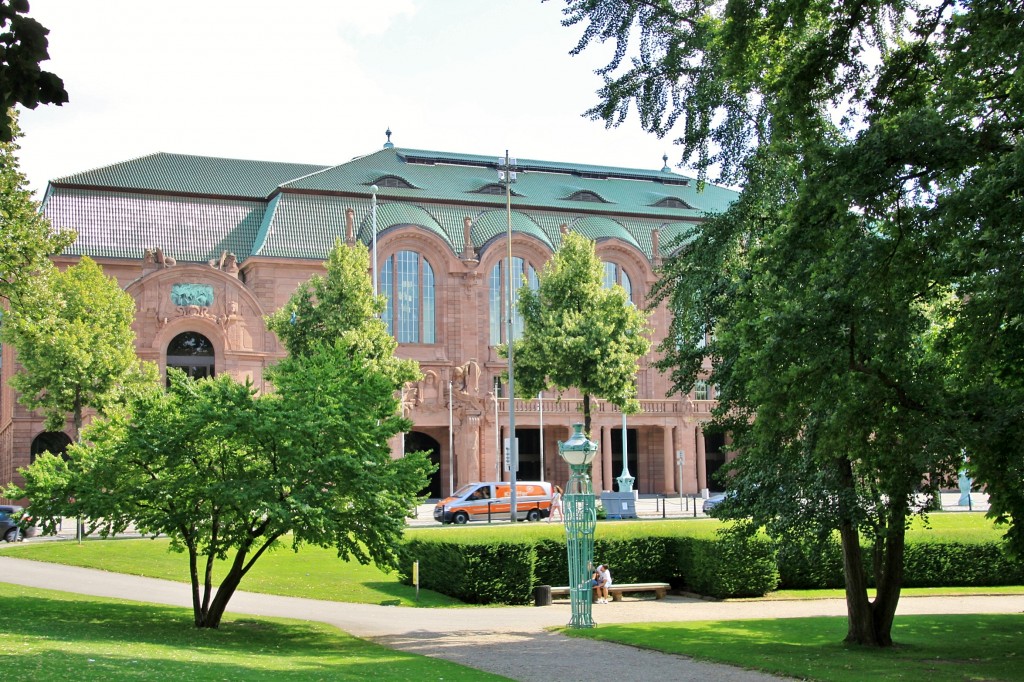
[314, 573]
[933, 648]
[59, 636]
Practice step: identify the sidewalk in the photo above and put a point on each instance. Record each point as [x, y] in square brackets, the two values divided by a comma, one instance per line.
[649, 506]
[511, 641]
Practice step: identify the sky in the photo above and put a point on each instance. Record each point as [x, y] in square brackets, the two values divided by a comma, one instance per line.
[319, 81]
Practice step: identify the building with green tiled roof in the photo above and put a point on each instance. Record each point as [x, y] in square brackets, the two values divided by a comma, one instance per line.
[246, 233]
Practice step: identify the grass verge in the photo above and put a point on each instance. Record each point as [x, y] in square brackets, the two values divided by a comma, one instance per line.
[60, 636]
[313, 572]
[939, 648]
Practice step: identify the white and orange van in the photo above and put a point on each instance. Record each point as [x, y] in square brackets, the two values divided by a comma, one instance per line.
[493, 500]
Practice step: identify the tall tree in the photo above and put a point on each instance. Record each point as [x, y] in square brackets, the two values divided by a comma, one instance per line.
[860, 289]
[26, 238]
[228, 474]
[23, 45]
[578, 334]
[76, 348]
[340, 305]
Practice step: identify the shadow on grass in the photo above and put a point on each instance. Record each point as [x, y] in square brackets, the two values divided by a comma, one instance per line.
[62, 637]
[938, 648]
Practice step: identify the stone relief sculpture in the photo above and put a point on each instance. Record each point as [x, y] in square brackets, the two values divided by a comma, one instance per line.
[429, 393]
[466, 387]
[227, 263]
[156, 256]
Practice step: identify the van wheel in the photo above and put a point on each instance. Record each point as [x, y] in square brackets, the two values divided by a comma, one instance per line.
[460, 518]
[13, 535]
[533, 515]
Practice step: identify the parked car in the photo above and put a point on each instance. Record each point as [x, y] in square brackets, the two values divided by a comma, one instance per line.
[15, 524]
[712, 502]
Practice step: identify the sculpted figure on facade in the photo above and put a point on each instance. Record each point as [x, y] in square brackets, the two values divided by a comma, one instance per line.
[466, 381]
[227, 263]
[429, 391]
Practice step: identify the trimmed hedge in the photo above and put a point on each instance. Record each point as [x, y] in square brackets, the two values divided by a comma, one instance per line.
[492, 571]
[487, 573]
[505, 570]
[925, 564]
[959, 564]
[731, 566]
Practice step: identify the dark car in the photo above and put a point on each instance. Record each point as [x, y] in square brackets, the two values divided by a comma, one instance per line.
[15, 524]
[712, 502]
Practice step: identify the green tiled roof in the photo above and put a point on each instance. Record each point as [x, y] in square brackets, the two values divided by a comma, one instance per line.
[441, 176]
[195, 207]
[123, 225]
[390, 214]
[491, 224]
[599, 227]
[204, 175]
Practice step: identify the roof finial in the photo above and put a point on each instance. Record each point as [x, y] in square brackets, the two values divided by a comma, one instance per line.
[665, 168]
[388, 144]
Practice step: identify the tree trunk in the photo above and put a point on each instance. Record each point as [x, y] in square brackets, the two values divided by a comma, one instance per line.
[193, 570]
[586, 415]
[870, 623]
[860, 622]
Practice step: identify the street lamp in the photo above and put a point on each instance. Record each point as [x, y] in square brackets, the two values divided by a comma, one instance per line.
[626, 479]
[580, 521]
[506, 176]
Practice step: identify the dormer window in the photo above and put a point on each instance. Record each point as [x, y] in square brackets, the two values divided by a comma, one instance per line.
[672, 202]
[392, 181]
[494, 188]
[585, 195]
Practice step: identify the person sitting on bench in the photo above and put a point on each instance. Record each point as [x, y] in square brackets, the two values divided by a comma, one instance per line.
[602, 581]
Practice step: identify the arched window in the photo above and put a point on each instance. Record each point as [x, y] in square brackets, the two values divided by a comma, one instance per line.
[192, 353]
[614, 274]
[499, 299]
[54, 442]
[407, 281]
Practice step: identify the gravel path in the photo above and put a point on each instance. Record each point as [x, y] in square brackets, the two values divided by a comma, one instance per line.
[510, 641]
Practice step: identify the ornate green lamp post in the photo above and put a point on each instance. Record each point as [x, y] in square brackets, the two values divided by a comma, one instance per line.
[580, 522]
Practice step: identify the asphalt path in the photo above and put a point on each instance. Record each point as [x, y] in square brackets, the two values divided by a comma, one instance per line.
[514, 641]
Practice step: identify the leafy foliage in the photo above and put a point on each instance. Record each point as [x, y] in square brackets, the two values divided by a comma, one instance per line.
[867, 332]
[227, 474]
[26, 239]
[23, 45]
[578, 334]
[76, 347]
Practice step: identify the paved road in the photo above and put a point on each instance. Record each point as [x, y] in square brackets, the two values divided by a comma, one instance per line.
[510, 641]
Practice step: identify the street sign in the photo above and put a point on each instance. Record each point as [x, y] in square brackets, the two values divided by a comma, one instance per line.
[508, 455]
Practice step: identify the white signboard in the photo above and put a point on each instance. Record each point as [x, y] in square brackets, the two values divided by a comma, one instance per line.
[508, 455]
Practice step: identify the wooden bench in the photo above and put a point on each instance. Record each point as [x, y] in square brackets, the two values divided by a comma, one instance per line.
[616, 591]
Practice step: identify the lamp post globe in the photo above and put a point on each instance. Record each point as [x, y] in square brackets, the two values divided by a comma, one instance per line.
[580, 513]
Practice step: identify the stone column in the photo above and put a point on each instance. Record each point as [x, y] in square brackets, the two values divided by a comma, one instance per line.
[702, 465]
[668, 443]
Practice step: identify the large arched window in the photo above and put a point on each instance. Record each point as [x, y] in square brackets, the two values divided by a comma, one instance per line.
[499, 299]
[614, 274]
[407, 280]
[192, 353]
[54, 442]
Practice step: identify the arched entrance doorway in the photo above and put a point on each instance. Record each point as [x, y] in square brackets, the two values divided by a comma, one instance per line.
[420, 442]
[192, 353]
[54, 442]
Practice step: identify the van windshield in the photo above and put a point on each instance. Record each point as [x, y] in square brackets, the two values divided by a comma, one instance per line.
[464, 490]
